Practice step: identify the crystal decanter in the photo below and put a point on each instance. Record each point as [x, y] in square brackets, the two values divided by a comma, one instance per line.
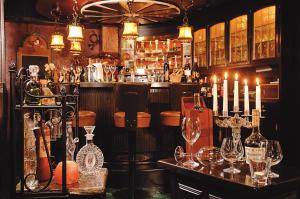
[89, 158]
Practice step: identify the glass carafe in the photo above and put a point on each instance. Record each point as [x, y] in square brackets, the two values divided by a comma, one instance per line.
[89, 158]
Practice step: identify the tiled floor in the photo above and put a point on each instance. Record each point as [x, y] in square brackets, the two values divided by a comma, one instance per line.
[152, 193]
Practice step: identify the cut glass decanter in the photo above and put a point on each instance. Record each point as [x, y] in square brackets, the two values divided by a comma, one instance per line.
[89, 158]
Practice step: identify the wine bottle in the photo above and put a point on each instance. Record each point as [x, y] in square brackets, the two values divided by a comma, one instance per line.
[252, 149]
[166, 69]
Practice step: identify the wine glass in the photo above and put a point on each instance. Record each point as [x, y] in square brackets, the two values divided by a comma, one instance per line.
[273, 151]
[191, 130]
[231, 150]
[179, 154]
[112, 70]
[209, 155]
[106, 71]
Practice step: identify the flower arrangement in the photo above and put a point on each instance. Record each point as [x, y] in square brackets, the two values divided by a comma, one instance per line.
[49, 71]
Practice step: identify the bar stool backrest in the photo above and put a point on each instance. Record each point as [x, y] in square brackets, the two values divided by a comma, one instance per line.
[181, 90]
[131, 98]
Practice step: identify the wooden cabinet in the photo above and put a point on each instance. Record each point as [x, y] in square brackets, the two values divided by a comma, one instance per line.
[264, 33]
[217, 44]
[200, 49]
[238, 40]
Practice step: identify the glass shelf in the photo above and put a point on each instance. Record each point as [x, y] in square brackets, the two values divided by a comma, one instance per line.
[264, 33]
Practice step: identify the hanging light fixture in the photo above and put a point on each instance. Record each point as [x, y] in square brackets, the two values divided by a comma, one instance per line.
[75, 29]
[57, 38]
[75, 48]
[185, 30]
[130, 31]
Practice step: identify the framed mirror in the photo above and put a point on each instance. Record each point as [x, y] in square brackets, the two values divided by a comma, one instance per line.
[34, 51]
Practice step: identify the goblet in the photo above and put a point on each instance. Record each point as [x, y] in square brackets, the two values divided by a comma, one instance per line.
[191, 130]
[106, 71]
[231, 150]
[274, 152]
[112, 70]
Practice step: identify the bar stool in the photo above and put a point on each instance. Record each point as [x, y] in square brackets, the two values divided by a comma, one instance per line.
[171, 119]
[132, 100]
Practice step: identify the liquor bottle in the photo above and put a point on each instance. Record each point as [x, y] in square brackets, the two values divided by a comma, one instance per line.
[166, 69]
[71, 74]
[33, 86]
[252, 142]
[195, 73]
[187, 71]
[30, 162]
[89, 158]
[43, 169]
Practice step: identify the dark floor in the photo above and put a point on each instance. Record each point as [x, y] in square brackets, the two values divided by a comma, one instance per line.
[147, 193]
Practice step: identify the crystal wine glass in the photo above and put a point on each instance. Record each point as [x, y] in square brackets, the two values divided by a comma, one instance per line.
[273, 151]
[191, 130]
[231, 151]
[112, 70]
[106, 71]
[179, 154]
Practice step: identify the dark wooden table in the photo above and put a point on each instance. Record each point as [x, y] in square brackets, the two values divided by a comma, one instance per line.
[211, 182]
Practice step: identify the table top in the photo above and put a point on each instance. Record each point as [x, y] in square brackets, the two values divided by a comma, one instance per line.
[289, 177]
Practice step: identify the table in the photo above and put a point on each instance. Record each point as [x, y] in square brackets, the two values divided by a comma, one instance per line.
[212, 182]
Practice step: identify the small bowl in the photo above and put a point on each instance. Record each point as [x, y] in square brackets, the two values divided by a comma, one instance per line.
[209, 156]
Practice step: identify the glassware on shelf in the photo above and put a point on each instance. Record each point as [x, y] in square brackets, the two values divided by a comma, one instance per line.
[112, 69]
[274, 152]
[232, 151]
[106, 71]
[89, 158]
[191, 130]
[30, 159]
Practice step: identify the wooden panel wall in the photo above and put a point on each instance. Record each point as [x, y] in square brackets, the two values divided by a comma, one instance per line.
[110, 39]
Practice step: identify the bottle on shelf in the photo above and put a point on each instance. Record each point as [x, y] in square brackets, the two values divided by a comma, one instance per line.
[187, 71]
[195, 73]
[33, 86]
[71, 74]
[166, 69]
[252, 142]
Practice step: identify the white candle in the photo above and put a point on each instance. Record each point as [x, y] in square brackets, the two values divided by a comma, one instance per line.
[258, 97]
[225, 96]
[236, 94]
[215, 95]
[175, 61]
[246, 98]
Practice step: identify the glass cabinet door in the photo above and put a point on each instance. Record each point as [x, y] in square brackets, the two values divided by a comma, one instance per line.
[200, 47]
[217, 44]
[264, 33]
[238, 50]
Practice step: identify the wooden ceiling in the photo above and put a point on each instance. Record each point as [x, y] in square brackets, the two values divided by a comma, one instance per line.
[39, 10]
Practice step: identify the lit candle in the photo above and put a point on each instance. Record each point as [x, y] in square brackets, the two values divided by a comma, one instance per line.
[246, 98]
[236, 94]
[175, 61]
[215, 95]
[258, 97]
[225, 96]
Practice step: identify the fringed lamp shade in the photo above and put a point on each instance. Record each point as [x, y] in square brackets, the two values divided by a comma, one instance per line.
[75, 33]
[185, 33]
[75, 48]
[57, 41]
[130, 30]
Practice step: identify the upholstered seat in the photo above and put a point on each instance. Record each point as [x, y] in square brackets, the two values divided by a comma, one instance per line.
[170, 118]
[143, 119]
[86, 118]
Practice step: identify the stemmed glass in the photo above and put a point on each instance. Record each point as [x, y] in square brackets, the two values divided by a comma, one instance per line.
[231, 150]
[274, 152]
[112, 70]
[191, 130]
[106, 71]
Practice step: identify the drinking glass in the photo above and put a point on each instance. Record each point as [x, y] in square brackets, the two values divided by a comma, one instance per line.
[231, 150]
[209, 155]
[112, 70]
[179, 154]
[106, 71]
[191, 130]
[273, 151]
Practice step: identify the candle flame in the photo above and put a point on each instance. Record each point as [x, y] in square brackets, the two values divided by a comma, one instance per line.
[257, 81]
[236, 76]
[226, 75]
[215, 79]
[246, 82]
